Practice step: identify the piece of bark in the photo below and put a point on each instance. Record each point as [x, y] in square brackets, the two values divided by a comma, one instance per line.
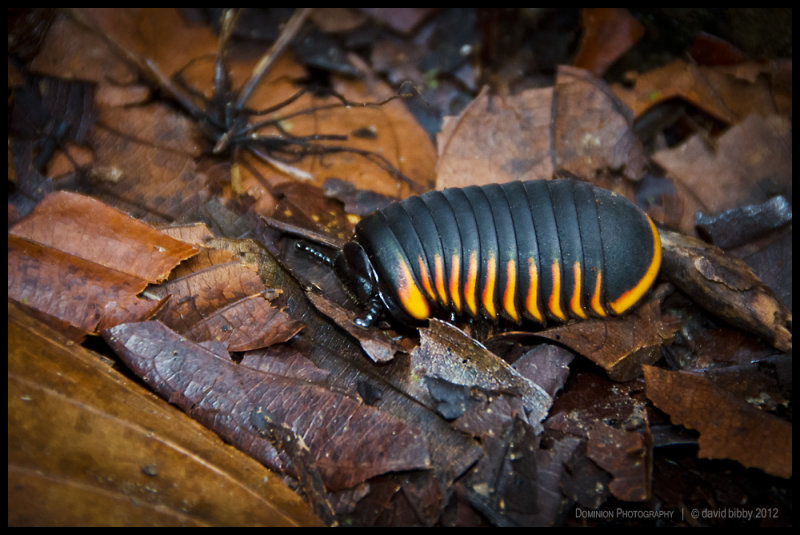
[726, 287]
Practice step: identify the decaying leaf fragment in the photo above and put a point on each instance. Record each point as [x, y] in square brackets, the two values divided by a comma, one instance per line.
[576, 126]
[446, 352]
[619, 345]
[83, 264]
[627, 455]
[376, 343]
[747, 164]
[249, 323]
[88, 446]
[727, 93]
[726, 287]
[219, 296]
[612, 422]
[351, 442]
[729, 427]
[608, 34]
[503, 486]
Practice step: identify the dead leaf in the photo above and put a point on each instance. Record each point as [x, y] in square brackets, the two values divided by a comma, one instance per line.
[394, 135]
[724, 92]
[619, 345]
[593, 398]
[750, 163]
[285, 361]
[627, 455]
[86, 228]
[497, 139]
[246, 324]
[199, 291]
[503, 486]
[607, 34]
[447, 353]
[576, 126]
[351, 442]
[732, 429]
[375, 342]
[708, 49]
[614, 422]
[546, 364]
[85, 264]
[68, 48]
[87, 446]
[70, 294]
[592, 131]
[150, 181]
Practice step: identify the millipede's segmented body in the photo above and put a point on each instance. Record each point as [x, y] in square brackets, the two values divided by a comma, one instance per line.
[538, 250]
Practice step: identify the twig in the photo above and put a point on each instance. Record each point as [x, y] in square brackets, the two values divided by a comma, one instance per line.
[289, 31]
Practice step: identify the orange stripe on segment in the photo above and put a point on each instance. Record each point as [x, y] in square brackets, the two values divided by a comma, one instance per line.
[438, 277]
[470, 282]
[488, 289]
[426, 279]
[455, 294]
[554, 302]
[632, 296]
[597, 303]
[510, 292]
[575, 300]
[409, 294]
[532, 299]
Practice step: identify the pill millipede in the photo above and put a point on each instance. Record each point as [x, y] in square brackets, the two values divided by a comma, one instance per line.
[540, 250]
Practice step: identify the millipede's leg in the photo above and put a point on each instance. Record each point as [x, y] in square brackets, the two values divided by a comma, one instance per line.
[372, 313]
[315, 253]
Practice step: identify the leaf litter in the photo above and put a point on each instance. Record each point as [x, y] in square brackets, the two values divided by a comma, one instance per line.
[151, 160]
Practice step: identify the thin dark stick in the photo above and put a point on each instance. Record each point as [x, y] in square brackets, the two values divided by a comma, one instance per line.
[286, 36]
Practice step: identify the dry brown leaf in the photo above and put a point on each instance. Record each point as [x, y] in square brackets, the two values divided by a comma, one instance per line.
[729, 427]
[750, 163]
[86, 228]
[723, 92]
[89, 447]
[619, 345]
[246, 324]
[627, 455]
[577, 126]
[607, 34]
[388, 130]
[497, 139]
[200, 292]
[592, 130]
[152, 181]
[84, 263]
[447, 353]
[71, 49]
[349, 441]
[377, 344]
[74, 296]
